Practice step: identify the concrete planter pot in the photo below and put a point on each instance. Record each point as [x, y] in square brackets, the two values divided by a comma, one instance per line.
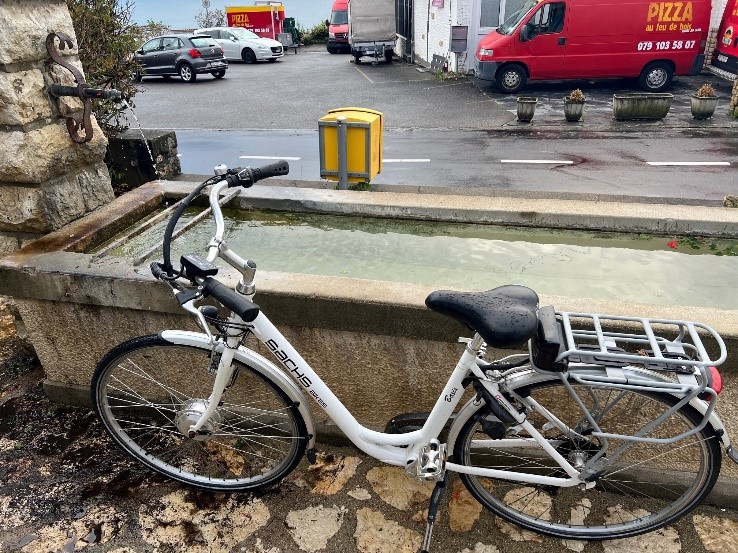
[573, 109]
[641, 105]
[703, 107]
[526, 108]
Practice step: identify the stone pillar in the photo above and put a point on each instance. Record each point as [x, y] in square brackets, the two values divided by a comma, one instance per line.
[733, 107]
[710, 47]
[46, 179]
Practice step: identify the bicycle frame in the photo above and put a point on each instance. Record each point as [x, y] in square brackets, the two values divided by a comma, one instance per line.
[393, 449]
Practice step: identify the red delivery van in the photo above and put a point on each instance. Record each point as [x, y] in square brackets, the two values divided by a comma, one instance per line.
[338, 28]
[596, 39]
[726, 52]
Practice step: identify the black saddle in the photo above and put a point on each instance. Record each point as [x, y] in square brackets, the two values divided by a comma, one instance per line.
[504, 317]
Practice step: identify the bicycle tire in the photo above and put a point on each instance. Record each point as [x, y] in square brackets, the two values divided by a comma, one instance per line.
[147, 391]
[651, 486]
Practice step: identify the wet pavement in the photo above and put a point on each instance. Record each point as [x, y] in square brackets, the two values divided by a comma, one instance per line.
[65, 487]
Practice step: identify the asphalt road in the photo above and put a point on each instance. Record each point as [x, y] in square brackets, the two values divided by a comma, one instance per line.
[457, 133]
[632, 166]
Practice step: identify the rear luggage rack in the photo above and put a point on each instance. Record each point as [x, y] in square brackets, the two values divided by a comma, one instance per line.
[630, 358]
[677, 347]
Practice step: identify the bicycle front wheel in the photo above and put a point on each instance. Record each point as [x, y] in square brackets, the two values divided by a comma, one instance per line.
[646, 487]
[147, 392]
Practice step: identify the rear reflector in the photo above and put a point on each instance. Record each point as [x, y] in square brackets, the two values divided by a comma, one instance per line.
[195, 53]
[717, 380]
[717, 384]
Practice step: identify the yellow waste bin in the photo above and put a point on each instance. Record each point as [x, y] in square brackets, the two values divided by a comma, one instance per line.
[364, 129]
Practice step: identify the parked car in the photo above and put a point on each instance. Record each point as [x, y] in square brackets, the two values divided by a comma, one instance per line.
[242, 44]
[338, 28]
[596, 39]
[184, 55]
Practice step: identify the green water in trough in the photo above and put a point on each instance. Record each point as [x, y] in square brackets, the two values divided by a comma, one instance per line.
[627, 267]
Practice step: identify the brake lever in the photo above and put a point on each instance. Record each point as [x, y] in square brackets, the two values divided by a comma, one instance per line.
[189, 306]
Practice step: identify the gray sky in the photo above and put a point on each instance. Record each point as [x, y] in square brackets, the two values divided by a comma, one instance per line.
[181, 13]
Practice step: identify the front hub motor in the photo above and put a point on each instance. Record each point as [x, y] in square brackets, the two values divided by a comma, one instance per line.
[190, 413]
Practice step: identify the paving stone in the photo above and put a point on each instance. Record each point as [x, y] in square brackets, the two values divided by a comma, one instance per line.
[718, 535]
[481, 548]
[98, 526]
[311, 528]
[539, 505]
[578, 515]
[330, 474]
[259, 548]
[362, 494]
[376, 534]
[13, 513]
[176, 524]
[463, 509]
[665, 540]
[394, 487]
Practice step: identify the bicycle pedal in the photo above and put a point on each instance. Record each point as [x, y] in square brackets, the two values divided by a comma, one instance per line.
[431, 463]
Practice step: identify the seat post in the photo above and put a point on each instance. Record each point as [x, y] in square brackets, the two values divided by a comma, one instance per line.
[476, 344]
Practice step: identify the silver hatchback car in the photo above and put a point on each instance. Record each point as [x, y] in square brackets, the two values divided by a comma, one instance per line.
[242, 44]
[183, 55]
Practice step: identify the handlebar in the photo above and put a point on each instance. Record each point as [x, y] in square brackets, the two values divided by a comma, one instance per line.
[58, 90]
[248, 176]
[227, 178]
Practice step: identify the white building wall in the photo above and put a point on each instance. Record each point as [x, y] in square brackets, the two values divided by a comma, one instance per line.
[433, 31]
[421, 13]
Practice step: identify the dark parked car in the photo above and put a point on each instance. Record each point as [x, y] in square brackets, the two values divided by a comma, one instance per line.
[183, 55]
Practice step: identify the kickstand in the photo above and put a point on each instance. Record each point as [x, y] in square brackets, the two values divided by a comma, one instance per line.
[432, 509]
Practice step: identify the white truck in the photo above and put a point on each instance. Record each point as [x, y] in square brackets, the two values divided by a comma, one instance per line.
[372, 29]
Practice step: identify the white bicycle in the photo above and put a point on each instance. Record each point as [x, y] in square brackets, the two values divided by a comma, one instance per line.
[593, 434]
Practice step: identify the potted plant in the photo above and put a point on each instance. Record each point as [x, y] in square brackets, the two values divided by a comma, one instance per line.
[526, 108]
[704, 102]
[574, 105]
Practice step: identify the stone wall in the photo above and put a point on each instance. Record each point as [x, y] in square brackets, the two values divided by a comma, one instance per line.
[46, 179]
[733, 106]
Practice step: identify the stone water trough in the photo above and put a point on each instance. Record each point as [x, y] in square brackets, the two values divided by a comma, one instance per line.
[359, 334]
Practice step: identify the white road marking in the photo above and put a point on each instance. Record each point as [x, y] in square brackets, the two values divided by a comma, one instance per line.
[272, 157]
[689, 163]
[538, 161]
[406, 160]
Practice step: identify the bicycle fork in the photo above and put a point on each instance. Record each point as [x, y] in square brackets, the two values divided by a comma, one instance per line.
[223, 376]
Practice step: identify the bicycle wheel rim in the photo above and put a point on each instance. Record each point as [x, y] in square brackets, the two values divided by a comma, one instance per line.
[147, 392]
[649, 487]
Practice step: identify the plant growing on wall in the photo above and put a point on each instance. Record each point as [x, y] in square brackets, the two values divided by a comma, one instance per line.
[106, 39]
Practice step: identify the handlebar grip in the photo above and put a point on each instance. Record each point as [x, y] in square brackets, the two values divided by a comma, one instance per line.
[243, 307]
[87, 92]
[249, 176]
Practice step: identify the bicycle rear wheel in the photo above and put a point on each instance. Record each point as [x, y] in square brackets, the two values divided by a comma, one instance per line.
[147, 392]
[649, 486]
